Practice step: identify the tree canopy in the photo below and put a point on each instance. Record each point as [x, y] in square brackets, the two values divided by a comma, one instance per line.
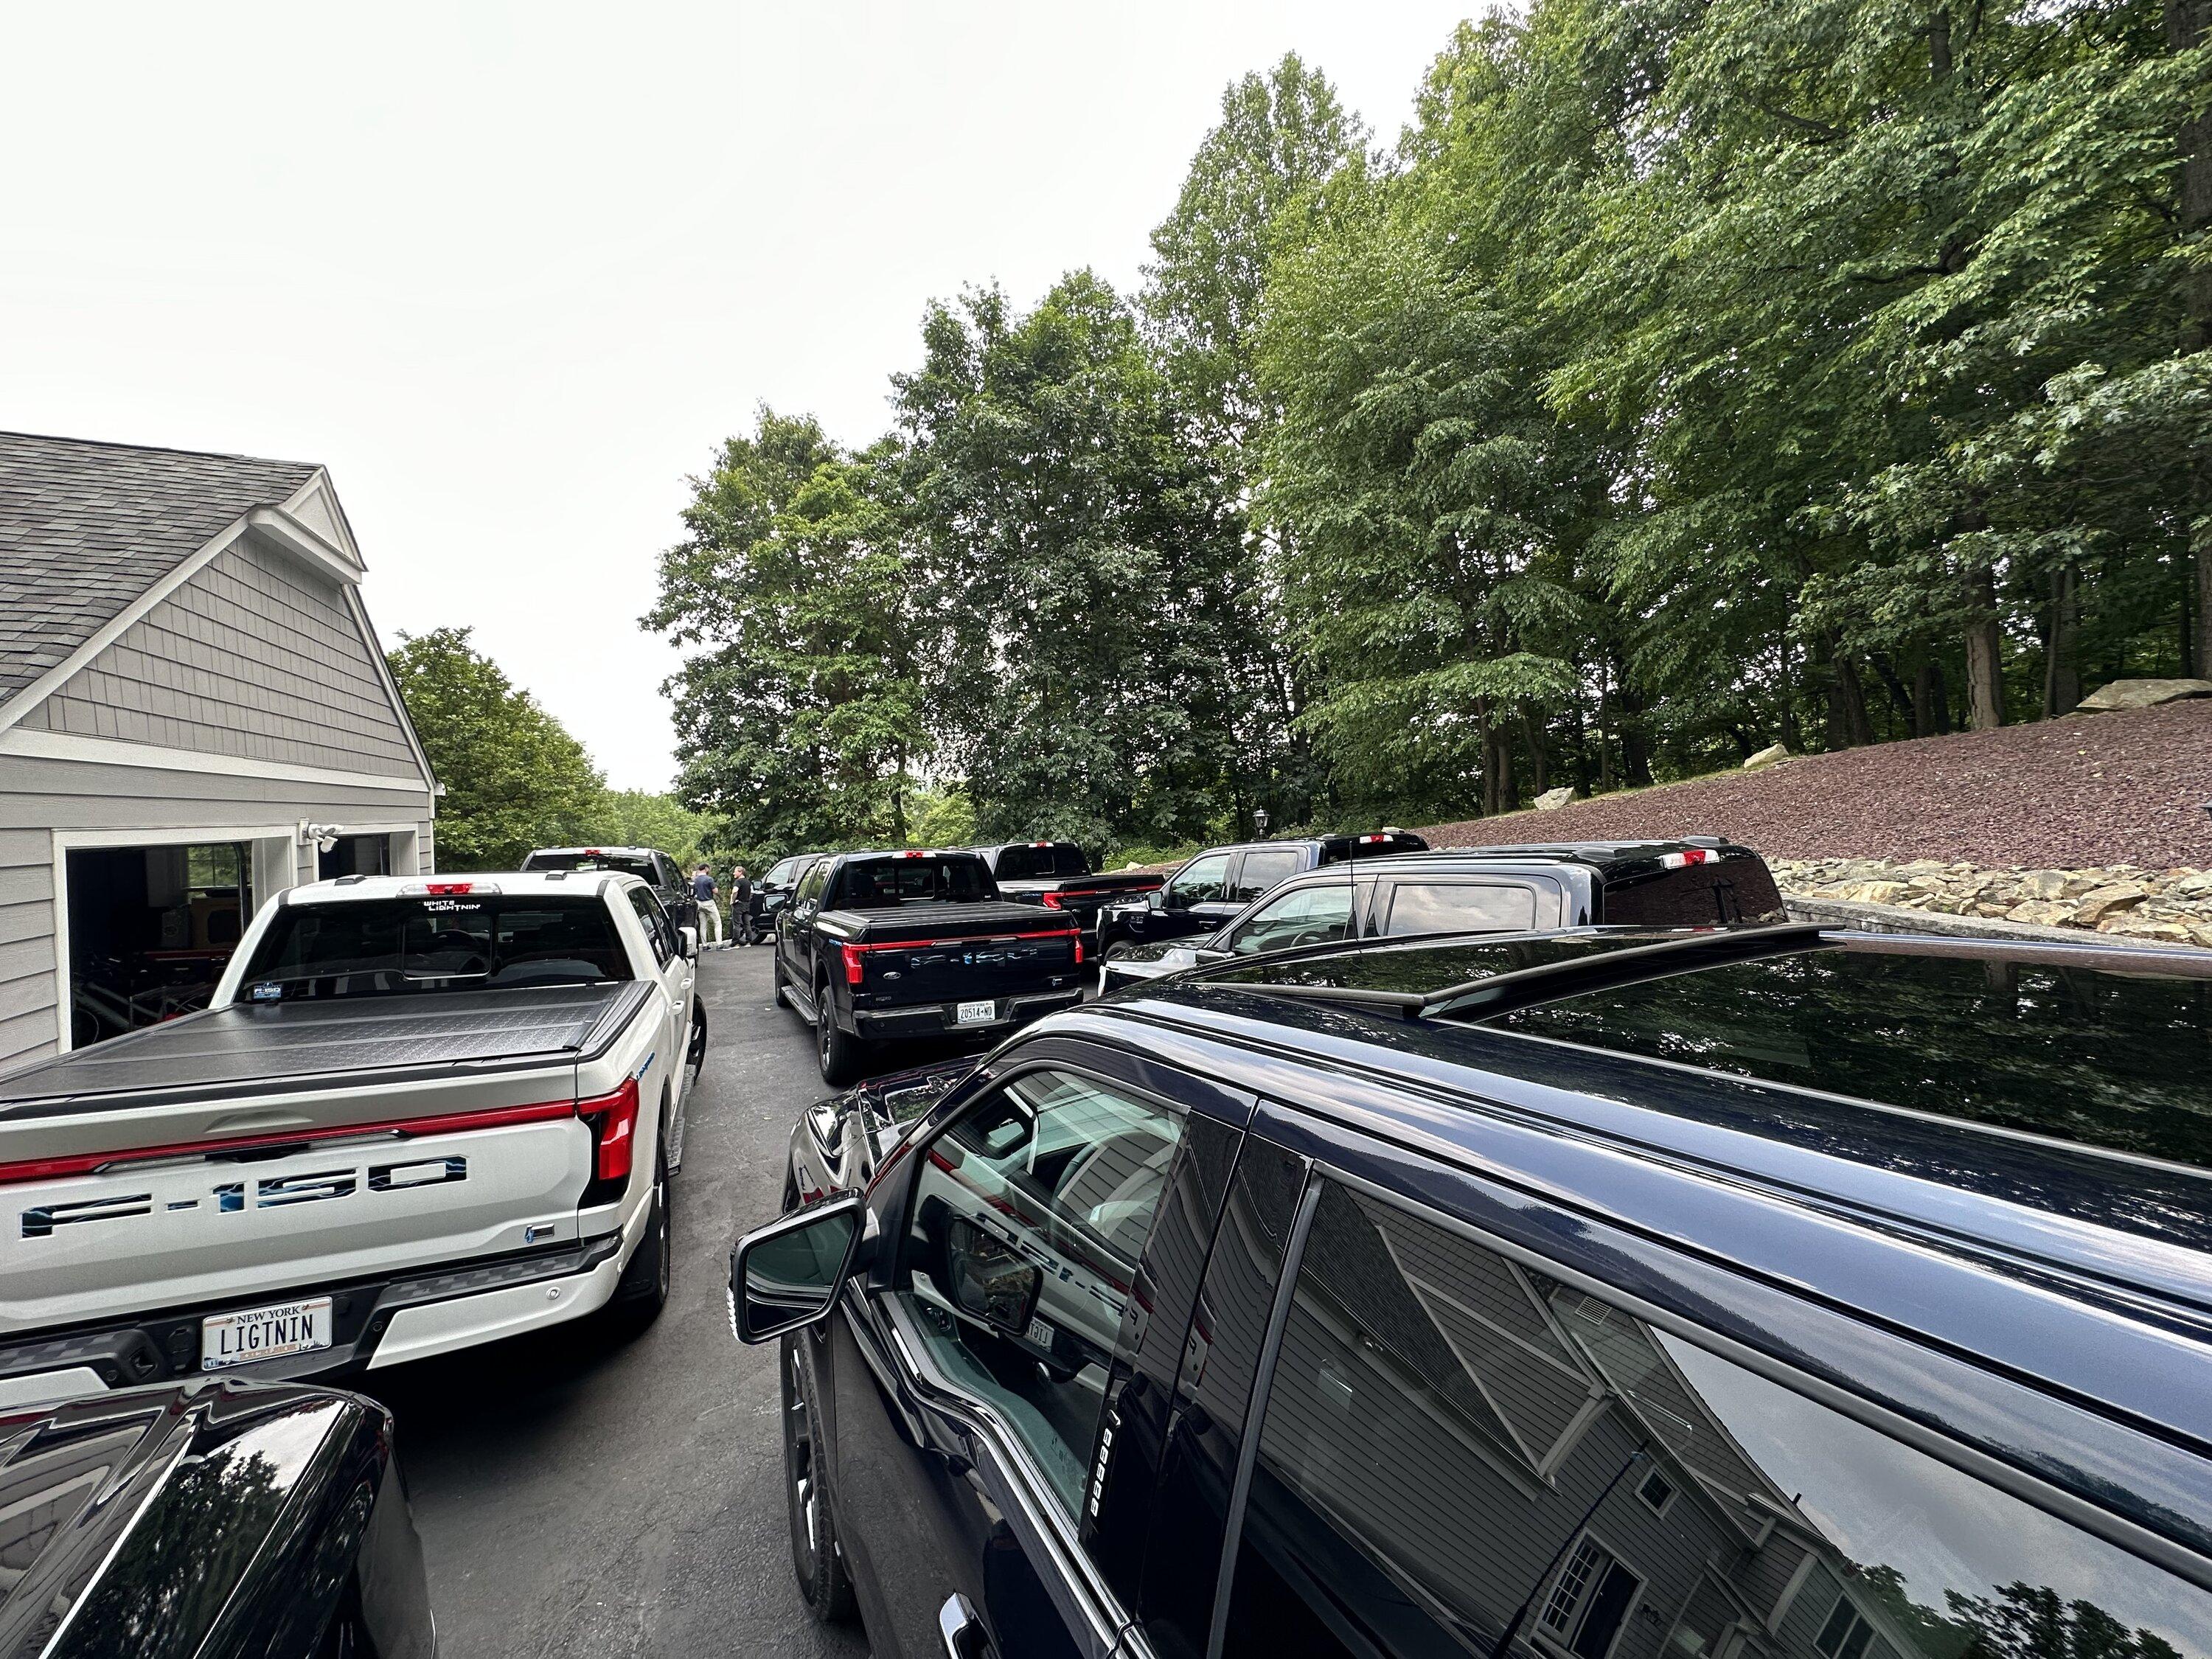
[1689, 376]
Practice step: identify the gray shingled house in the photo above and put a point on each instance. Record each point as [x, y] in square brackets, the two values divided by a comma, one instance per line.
[194, 714]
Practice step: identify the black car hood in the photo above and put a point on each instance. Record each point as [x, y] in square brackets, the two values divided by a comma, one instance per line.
[166, 1521]
[1151, 952]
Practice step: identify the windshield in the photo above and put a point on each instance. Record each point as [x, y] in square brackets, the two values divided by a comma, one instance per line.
[627, 864]
[959, 879]
[404, 947]
[1058, 858]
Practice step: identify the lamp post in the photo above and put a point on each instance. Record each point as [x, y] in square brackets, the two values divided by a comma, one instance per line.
[1260, 822]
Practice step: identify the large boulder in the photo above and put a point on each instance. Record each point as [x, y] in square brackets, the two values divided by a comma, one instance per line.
[1773, 755]
[2141, 694]
[1552, 800]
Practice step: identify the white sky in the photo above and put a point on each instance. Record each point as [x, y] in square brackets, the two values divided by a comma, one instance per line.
[511, 271]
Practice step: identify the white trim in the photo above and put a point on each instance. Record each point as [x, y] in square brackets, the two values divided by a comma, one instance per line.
[52, 681]
[304, 544]
[111, 751]
[319, 487]
[1561, 1641]
[69, 841]
[359, 607]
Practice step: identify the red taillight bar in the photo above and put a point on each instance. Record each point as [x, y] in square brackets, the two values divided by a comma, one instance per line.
[613, 1120]
[494, 1117]
[850, 954]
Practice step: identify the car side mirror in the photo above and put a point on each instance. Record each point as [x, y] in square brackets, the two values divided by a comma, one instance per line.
[988, 1280]
[1163, 898]
[690, 938]
[787, 1274]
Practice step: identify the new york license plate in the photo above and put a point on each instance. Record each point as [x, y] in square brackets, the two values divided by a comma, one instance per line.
[976, 1013]
[235, 1339]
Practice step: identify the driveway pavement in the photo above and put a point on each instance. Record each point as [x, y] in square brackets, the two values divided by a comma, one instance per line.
[580, 1498]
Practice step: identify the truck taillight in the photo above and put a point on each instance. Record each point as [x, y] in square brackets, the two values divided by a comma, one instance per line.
[446, 889]
[613, 1120]
[852, 955]
[1079, 950]
[1050, 901]
[1689, 856]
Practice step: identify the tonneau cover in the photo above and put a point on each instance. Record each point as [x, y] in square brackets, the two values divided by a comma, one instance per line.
[238, 1048]
[932, 920]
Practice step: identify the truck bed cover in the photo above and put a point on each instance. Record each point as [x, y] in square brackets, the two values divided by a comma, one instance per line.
[249, 1049]
[987, 919]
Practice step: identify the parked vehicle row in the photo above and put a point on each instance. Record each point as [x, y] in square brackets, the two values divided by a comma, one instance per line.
[1707, 882]
[1210, 888]
[1752, 1292]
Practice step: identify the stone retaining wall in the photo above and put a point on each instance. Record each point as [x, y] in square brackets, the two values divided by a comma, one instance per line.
[2120, 901]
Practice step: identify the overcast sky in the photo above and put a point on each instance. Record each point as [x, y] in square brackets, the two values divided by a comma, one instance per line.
[511, 271]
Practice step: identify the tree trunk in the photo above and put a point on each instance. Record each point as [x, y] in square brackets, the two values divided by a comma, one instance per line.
[1931, 707]
[1539, 766]
[2187, 23]
[1984, 658]
[2062, 676]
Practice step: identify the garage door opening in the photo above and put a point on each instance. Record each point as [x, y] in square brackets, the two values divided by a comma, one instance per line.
[150, 929]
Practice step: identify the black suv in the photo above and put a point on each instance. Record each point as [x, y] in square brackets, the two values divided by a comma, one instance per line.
[650, 863]
[1759, 1293]
[1213, 887]
[1702, 882]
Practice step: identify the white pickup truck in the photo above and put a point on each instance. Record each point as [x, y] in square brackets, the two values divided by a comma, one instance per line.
[419, 1114]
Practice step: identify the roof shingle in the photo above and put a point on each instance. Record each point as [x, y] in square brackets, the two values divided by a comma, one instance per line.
[86, 528]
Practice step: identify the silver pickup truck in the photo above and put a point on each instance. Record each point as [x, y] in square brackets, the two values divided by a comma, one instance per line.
[419, 1114]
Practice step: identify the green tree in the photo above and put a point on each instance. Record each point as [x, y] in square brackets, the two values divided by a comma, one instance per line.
[1082, 571]
[514, 777]
[800, 715]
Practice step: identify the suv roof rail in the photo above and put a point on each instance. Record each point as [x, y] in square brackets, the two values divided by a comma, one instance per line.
[1518, 987]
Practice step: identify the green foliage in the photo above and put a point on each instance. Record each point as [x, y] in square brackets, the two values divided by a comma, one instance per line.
[800, 719]
[944, 817]
[644, 817]
[1692, 374]
[1082, 568]
[514, 777]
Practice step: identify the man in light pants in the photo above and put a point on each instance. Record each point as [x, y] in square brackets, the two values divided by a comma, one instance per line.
[710, 915]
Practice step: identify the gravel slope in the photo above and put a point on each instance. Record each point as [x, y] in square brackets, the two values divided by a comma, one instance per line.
[2102, 789]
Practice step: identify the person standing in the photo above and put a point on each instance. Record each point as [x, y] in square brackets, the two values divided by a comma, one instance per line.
[741, 907]
[710, 918]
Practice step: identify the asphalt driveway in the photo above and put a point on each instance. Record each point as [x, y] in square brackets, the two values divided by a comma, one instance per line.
[580, 1498]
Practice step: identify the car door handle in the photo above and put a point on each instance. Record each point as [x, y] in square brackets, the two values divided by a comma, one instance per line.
[964, 1632]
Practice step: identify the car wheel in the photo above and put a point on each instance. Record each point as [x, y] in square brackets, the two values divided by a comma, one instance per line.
[815, 1557]
[842, 1056]
[643, 1291]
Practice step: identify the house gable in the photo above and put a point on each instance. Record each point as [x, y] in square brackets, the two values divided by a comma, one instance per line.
[256, 657]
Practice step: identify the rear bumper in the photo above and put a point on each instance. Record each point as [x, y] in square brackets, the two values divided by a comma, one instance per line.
[374, 1322]
[938, 1019]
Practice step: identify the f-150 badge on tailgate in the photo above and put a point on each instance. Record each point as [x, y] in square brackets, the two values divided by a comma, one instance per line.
[269, 1192]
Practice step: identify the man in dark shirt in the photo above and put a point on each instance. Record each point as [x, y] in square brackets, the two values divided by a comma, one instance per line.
[741, 907]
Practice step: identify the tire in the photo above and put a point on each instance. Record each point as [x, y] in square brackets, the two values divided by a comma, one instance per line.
[816, 1559]
[842, 1056]
[643, 1290]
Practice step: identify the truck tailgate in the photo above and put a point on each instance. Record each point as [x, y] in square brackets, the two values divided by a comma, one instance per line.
[252, 1151]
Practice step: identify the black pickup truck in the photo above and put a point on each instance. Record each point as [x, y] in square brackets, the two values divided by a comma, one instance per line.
[877, 946]
[1056, 874]
[1222, 881]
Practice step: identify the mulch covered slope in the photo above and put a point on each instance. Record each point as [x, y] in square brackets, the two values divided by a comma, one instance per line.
[2103, 789]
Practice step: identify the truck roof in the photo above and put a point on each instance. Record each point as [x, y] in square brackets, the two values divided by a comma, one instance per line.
[349, 889]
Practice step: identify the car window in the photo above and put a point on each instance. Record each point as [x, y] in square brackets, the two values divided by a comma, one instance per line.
[1448, 907]
[914, 878]
[1200, 881]
[655, 919]
[1262, 871]
[1696, 896]
[1311, 916]
[1455, 1447]
[1049, 1169]
[416, 945]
